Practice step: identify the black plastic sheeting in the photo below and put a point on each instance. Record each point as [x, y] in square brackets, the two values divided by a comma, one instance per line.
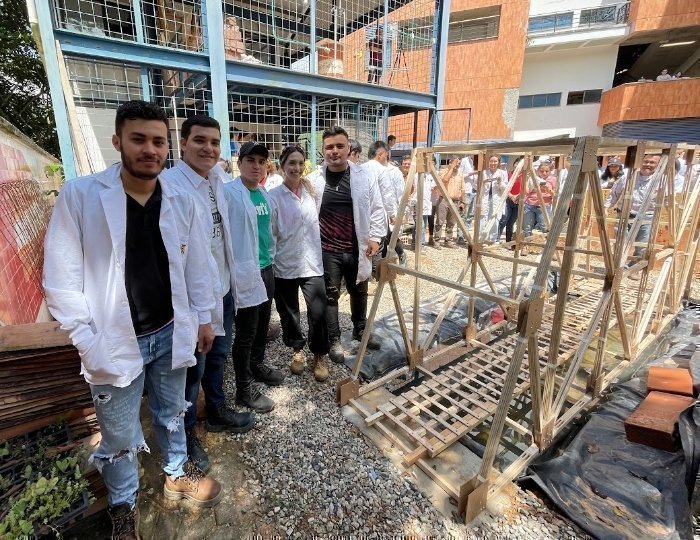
[392, 354]
[613, 488]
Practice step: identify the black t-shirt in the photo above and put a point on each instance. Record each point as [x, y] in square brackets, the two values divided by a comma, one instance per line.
[336, 216]
[147, 274]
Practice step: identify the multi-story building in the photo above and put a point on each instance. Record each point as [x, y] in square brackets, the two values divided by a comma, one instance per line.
[279, 71]
[549, 68]
[450, 70]
[544, 68]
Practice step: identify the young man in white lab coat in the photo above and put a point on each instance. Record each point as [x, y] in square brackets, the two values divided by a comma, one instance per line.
[197, 173]
[352, 223]
[126, 272]
[391, 186]
[254, 250]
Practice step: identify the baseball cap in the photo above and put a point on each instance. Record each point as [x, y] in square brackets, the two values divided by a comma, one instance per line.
[615, 161]
[253, 148]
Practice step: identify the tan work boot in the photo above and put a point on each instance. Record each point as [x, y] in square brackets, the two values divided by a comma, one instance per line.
[320, 368]
[194, 486]
[298, 362]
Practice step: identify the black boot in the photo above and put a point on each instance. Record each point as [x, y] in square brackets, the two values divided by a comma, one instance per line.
[372, 342]
[337, 354]
[125, 522]
[267, 375]
[226, 419]
[250, 396]
[196, 452]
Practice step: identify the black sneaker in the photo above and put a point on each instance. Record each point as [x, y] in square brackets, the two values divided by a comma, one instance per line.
[268, 375]
[337, 354]
[226, 419]
[252, 398]
[196, 452]
[125, 522]
[372, 342]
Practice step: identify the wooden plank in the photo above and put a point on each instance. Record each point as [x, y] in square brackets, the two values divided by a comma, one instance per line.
[33, 336]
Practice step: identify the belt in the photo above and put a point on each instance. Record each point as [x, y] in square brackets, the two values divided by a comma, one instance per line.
[632, 216]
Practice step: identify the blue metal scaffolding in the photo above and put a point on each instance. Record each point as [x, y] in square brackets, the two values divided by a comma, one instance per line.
[304, 63]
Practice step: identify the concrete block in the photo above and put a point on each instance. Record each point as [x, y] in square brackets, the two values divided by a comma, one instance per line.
[671, 380]
[654, 422]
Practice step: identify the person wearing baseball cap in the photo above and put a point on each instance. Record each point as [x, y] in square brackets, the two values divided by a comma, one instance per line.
[613, 173]
[253, 249]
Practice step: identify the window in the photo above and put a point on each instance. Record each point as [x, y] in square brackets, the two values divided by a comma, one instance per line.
[603, 16]
[539, 100]
[550, 23]
[474, 24]
[584, 96]
[470, 30]
[412, 34]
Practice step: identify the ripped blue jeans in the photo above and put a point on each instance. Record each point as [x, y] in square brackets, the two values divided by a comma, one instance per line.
[118, 413]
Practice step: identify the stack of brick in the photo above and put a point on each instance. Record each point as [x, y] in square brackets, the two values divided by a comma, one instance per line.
[655, 422]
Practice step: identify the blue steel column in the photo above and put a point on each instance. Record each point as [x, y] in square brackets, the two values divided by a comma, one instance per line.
[314, 131]
[314, 61]
[213, 27]
[48, 44]
[138, 26]
[385, 42]
[439, 68]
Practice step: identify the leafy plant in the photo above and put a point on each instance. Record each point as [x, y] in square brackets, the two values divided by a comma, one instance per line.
[44, 499]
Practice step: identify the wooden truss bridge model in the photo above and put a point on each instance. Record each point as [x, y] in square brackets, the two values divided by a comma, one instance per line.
[537, 354]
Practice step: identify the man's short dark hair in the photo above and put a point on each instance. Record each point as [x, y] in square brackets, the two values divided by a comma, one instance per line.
[333, 131]
[198, 120]
[355, 147]
[138, 110]
[407, 157]
[391, 138]
[376, 145]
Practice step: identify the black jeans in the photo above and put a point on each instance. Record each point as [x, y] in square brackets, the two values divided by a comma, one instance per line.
[287, 301]
[399, 245]
[508, 219]
[431, 221]
[251, 334]
[336, 267]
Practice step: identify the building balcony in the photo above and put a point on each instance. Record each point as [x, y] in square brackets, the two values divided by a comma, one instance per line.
[593, 24]
[652, 100]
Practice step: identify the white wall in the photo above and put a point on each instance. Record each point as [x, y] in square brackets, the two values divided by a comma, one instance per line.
[563, 71]
[538, 7]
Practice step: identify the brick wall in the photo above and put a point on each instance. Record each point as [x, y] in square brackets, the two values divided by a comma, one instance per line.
[648, 15]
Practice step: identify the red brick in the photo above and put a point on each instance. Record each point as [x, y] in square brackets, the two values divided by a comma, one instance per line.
[671, 380]
[654, 422]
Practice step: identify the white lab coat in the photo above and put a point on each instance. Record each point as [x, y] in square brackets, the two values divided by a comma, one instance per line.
[297, 234]
[182, 176]
[83, 278]
[498, 191]
[249, 288]
[367, 209]
[391, 185]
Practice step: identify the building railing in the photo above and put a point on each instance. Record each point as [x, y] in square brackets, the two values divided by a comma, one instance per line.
[579, 20]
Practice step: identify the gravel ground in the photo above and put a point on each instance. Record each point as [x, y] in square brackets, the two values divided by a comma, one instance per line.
[313, 473]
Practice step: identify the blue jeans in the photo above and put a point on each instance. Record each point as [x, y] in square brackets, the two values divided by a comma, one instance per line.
[533, 218]
[209, 370]
[118, 413]
[642, 236]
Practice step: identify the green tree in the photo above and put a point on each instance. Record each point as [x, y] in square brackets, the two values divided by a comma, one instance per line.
[24, 88]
